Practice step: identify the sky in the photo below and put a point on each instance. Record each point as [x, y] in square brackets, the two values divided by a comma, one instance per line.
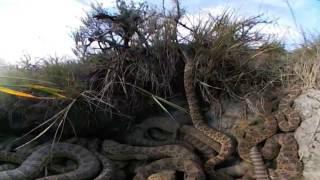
[42, 28]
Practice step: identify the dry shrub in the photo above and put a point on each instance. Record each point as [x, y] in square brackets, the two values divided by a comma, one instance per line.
[136, 47]
[128, 57]
[232, 58]
[302, 65]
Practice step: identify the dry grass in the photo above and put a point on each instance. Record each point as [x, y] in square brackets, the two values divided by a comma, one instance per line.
[301, 66]
[152, 62]
[232, 60]
[228, 58]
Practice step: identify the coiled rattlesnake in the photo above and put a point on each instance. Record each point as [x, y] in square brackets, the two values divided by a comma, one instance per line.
[191, 169]
[88, 164]
[285, 148]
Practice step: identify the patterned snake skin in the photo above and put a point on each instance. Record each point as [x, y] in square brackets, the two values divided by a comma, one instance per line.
[12, 157]
[288, 118]
[126, 152]
[249, 136]
[201, 142]
[285, 147]
[260, 170]
[107, 172]
[227, 146]
[88, 165]
[191, 169]
[163, 175]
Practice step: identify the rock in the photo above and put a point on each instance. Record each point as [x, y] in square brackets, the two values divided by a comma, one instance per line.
[308, 134]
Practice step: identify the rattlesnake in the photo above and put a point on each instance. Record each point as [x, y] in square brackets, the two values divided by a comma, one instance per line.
[227, 146]
[108, 169]
[163, 175]
[288, 118]
[172, 157]
[249, 136]
[260, 170]
[93, 145]
[11, 154]
[119, 151]
[88, 164]
[201, 142]
[239, 169]
[188, 136]
[285, 147]
[191, 169]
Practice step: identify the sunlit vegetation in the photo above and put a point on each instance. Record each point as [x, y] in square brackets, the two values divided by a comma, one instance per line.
[130, 60]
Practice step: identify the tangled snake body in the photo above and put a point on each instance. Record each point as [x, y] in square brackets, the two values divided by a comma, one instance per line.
[288, 118]
[88, 164]
[227, 146]
[191, 169]
[108, 169]
[198, 140]
[171, 157]
[127, 152]
[175, 157]
[285, 148]
[107, 172]
[163, 175]
[260, 170]
[253, 136]
[281, 146]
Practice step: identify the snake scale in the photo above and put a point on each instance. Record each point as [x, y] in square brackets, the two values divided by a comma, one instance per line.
[168, 157]
[126, 152]
[31, 167]
[249, 136]
[285, 148]
[198, 140]
[227, 145]
[191, 169]
[212, 143]
[288, 118]
[163, 175]
[108, 169]
[260, 170]
[282, 146]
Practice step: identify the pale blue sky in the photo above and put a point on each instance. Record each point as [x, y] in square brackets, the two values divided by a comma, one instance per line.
[306, 14]
[42, 27]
